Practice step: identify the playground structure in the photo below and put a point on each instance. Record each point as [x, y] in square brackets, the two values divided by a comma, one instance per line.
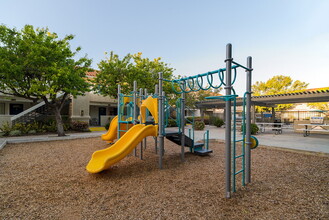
[131, 127]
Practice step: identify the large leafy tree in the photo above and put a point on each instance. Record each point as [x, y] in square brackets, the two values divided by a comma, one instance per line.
[124, 71]
[278, 85]
[320, 105]
[193, 97]
[35, 64]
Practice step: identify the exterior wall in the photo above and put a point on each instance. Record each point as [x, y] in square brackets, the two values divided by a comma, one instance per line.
[80, 109]
[86, 108]
[5, 101]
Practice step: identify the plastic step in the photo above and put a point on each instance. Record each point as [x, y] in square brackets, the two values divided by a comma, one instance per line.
[202, 152]
[172, 133]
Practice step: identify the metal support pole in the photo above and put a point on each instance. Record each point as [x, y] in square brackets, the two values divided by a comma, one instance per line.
[228, 88]
[135, 110]
[145, 96]
[161, 121]
[156, 92]
[141, 100]
[248, 122]
[182, 127]
[118, 113]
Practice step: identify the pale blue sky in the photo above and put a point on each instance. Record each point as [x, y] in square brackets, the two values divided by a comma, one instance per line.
[289, 37]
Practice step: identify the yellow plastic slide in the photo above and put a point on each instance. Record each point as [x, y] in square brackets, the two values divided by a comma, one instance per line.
[103, 159]
[112, 133]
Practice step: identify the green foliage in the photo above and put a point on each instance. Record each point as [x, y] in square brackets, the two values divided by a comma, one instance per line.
[79, 125]
[125, 71]
[107, 126]
[172, 123]
[199, 125]
[193, 97]
[206, 119]
[218, 122]
[277, 85]
[320, 105]
[254, 129]
[35, 64]
[31, 128]
[5, 129]
[15, 133]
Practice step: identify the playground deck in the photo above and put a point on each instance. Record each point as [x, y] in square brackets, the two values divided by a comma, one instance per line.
[48, 180]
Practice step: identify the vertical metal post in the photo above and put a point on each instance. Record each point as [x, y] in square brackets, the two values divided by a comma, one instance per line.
[182, 122]
[161, 137]
[248, 122]
[228, 88]
[156, 92]
[145, 97]
[119, 112]
[141, 100]
[135, 110]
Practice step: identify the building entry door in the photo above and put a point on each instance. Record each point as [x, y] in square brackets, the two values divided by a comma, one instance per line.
[101, 111]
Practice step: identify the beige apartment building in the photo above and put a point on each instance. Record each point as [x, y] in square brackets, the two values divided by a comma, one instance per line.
[92, 108]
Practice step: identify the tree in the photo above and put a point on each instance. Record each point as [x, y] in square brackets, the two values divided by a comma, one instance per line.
[36, 65]
[320, 105]
[278, 85]
[114, 71]
[193, 97]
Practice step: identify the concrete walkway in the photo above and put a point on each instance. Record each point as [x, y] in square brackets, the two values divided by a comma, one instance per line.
[288, 139]
[49, 137]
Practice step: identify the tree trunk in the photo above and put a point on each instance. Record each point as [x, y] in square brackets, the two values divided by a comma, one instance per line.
[59, 122]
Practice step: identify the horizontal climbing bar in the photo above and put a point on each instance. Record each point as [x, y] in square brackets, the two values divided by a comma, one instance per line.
[239, 65]
[201, 75]
[224, 97]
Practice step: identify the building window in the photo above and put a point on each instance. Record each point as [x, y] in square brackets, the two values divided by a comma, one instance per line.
[2, 108]
[15, 109]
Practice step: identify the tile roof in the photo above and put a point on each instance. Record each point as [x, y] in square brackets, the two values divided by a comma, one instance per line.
[92, 74]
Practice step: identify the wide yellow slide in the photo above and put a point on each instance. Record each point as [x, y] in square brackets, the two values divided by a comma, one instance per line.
[103, 159]
[112, 133]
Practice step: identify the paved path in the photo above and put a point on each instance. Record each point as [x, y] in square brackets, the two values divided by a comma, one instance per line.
[289, 139]
[51, 137]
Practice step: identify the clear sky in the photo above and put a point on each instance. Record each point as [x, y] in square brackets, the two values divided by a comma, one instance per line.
[286, 37]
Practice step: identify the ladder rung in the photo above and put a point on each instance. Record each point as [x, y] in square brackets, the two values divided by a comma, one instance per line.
[240, 171]
[242, 155]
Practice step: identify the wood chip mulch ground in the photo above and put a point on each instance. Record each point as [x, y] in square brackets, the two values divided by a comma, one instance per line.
[48, 180]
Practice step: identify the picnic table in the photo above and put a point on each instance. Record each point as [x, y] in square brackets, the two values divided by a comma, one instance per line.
[308, 128]
[274, 126]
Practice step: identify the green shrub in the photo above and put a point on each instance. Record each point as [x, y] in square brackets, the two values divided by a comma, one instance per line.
[172, 123]
[50, 126]
[79, 125]
[5, 128]
[15, 133]
[199, 125]
[218, 122]
[189, 120]
[2, 134]
[206, 119]
[254, 129]
[107, 126]
[32, 132]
